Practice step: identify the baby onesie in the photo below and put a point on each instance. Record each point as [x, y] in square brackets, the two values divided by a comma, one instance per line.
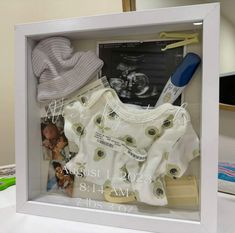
[129, 148]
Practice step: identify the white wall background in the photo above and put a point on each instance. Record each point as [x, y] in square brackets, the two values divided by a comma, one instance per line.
[227, 64]
[22, 11]
[150, 4]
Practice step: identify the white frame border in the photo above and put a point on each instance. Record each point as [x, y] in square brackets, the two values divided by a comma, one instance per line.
[209, 14]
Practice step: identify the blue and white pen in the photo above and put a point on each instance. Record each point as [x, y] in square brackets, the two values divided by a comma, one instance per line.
[179, 80]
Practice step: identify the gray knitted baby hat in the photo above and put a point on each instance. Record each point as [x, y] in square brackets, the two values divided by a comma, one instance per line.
[60, 71]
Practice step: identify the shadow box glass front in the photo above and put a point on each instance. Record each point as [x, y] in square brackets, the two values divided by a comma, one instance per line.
[117, 119]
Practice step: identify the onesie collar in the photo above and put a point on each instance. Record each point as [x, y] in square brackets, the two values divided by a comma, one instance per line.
[128, 113]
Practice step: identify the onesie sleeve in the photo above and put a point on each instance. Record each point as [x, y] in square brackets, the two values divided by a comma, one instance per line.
[73, 128]
[182, 151]
[170, 154]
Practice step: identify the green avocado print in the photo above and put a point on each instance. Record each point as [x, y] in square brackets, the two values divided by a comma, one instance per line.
[129, 140]
[173, 170]
[168, 123]
[158, 190]
[79, 129]
[98, 119]
[83, 100]
[152, 132]
[99, 122]
[99, 154]
[112, 115]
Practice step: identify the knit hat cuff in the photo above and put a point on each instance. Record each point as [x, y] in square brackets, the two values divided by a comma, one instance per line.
[86, 69]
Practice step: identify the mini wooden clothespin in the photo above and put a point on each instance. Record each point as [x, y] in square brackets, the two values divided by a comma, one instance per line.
[187, 38]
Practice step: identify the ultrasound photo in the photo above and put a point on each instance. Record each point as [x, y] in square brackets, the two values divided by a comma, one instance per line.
[138, 71]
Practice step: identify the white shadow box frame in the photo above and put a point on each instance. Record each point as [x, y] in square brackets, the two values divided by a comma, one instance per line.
[27, 114]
